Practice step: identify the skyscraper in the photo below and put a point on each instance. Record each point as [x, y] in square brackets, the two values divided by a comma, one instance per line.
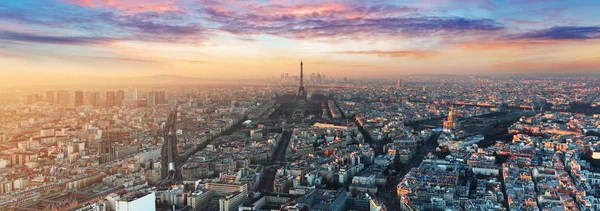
[110, 98]
[132, 95]
[119, 98]
[91, 98]
[62, 98]
[152, 98]
[78, 98]
[162, 99]
[399, 86]
[50, 97]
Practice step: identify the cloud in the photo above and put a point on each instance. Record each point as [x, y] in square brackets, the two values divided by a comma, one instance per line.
[409, 53]
[144, 60]
[159, 27]
[194, 62]
[49, 39]
[342, 64]
[519, 21]
[130, 6]
[338, 20]
[123, 59]
[565, 33]
[319, 28]
[197, 22]
[151, 26]
[530, 2]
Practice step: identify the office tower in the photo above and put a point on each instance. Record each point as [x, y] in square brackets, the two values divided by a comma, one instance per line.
[91, 98]
[152, 98]
[161, 99]
[97, 99]
[78, 98]
[399, 86]
[110, 98]
[119, 98]
[132, 95]
[34, 98]
[50, 97]
[62, 98]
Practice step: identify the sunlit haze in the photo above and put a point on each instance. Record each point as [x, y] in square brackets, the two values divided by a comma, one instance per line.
[260, 39]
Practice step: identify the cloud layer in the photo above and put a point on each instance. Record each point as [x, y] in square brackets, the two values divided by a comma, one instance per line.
[185, 21]
[417, 31]
[313, 21]
[49, 39]
[565, 32]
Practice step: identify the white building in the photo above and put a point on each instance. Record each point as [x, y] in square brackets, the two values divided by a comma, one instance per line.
[141, 202]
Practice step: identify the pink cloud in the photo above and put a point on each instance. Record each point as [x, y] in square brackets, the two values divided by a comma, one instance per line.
[290, 11]
[520, 21]
[131, 6]
[398, 53]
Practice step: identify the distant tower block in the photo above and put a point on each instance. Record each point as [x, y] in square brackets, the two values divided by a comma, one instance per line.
[399, 86]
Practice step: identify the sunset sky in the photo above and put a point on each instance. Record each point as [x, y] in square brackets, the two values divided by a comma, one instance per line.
[205, 38]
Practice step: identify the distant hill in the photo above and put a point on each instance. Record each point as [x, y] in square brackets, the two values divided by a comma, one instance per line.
[165, 79]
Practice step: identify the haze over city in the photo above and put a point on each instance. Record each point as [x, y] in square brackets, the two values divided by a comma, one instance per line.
[299, 105]
[257, 39]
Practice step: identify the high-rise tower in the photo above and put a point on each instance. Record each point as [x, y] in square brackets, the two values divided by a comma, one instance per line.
[110, 99]
[62, 98]
[50, 97]
[301, 91]
[119, 97]
[78, 98]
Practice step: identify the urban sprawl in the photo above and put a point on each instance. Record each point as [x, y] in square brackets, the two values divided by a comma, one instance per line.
[306, 142]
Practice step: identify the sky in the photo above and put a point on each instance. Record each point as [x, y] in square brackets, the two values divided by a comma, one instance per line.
[255, 39]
